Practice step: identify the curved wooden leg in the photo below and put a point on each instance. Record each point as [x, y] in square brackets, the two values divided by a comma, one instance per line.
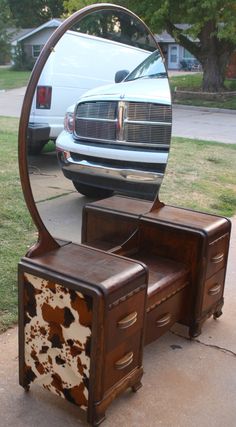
[195, 330]
[217, 313]
[26, 388]
[98, 419]
[136, 386]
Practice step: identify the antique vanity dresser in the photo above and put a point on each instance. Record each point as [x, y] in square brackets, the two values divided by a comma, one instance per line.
[87, 307]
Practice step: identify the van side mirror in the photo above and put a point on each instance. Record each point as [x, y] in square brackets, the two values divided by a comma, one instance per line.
[120, 75]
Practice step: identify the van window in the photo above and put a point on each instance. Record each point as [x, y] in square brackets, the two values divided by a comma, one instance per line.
[117, 26]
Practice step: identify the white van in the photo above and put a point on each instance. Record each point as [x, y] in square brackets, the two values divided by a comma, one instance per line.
[79, 62]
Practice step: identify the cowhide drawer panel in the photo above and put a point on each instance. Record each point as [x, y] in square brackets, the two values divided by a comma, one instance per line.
[57, 338]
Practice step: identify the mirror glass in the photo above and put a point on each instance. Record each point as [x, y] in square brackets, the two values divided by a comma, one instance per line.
[88, 137]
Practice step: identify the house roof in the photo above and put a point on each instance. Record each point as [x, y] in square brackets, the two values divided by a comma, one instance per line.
[28, 32]
[165, 37]
[15, 34]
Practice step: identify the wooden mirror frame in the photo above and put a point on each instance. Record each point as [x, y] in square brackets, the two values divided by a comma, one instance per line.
[46, 241]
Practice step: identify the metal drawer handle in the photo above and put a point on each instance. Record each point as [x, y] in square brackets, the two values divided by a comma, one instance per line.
[125, 361]
[214, 290]
[128, 321]
[217, 258]
[163, 321]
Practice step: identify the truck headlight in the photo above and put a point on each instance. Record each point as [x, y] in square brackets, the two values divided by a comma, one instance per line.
[69, 122]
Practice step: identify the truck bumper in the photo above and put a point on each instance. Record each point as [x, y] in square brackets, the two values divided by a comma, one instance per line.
[38, 132]
[128, 178]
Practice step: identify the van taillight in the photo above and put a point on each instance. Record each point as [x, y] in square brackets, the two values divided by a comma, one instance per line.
[44, 96]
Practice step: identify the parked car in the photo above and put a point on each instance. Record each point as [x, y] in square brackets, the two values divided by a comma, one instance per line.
[80, 62]
[117, 137]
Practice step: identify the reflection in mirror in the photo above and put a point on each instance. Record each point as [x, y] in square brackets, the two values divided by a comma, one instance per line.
[116, 135]
[118, 26]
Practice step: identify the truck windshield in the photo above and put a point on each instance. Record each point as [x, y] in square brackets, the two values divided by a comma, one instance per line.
[152, 67]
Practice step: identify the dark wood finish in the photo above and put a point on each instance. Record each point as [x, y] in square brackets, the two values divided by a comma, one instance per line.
[181, 248]
[107, 294]
[116, 286]
[213, 233]
[162, 316]
[114, 211]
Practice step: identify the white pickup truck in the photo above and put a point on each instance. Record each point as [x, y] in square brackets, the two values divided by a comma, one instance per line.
[117, 137]
[78, 62]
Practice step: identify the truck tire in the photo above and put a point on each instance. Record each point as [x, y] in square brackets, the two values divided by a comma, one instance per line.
[90, 191]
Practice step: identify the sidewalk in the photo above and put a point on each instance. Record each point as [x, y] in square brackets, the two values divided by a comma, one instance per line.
[186, 383]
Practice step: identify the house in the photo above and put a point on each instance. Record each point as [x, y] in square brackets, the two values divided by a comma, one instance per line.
[33, 39]
[174, 54]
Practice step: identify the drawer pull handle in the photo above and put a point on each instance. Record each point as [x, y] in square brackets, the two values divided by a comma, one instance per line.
[217, 258]
[214, 290]
[163, 321]
[125, 361]
[128, 321]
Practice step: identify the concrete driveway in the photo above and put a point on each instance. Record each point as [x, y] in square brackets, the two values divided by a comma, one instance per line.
[11, 102]
[189, 122]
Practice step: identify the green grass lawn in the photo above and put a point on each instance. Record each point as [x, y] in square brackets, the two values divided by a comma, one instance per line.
[16, 229]
[200, 175]
[192, 82]
[10, 79]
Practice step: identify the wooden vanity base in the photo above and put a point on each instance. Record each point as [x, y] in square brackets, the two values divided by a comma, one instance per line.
[197, 241]
[85, 313]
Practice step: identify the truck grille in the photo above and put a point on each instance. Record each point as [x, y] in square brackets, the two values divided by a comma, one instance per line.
[140, 124]
[97, 110]
[149, 112]
[147, 134]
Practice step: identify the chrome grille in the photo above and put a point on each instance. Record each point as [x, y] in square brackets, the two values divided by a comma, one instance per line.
[94, 129]
[147, 134]
[98, 110]
[96, 120]
[140, 111]
[143, 123]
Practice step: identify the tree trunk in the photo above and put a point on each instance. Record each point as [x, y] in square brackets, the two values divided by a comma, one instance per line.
[212, 52]
[214, 67]
[214, 57]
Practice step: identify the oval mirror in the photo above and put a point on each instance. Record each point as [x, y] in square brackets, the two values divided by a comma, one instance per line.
[96, 119]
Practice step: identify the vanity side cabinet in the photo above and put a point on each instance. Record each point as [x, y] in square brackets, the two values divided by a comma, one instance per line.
[81, 329]
[209, 262]
[110, 222]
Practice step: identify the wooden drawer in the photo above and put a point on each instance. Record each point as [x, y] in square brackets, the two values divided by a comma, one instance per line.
[217, 254]
[125, 320]
[122, 360]
[160, 319]
[213, 289]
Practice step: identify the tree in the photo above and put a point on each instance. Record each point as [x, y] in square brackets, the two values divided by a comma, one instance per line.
[5, 23]
[31, 13]
[211, 36]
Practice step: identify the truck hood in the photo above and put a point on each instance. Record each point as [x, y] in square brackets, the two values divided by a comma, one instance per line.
[142, 90]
